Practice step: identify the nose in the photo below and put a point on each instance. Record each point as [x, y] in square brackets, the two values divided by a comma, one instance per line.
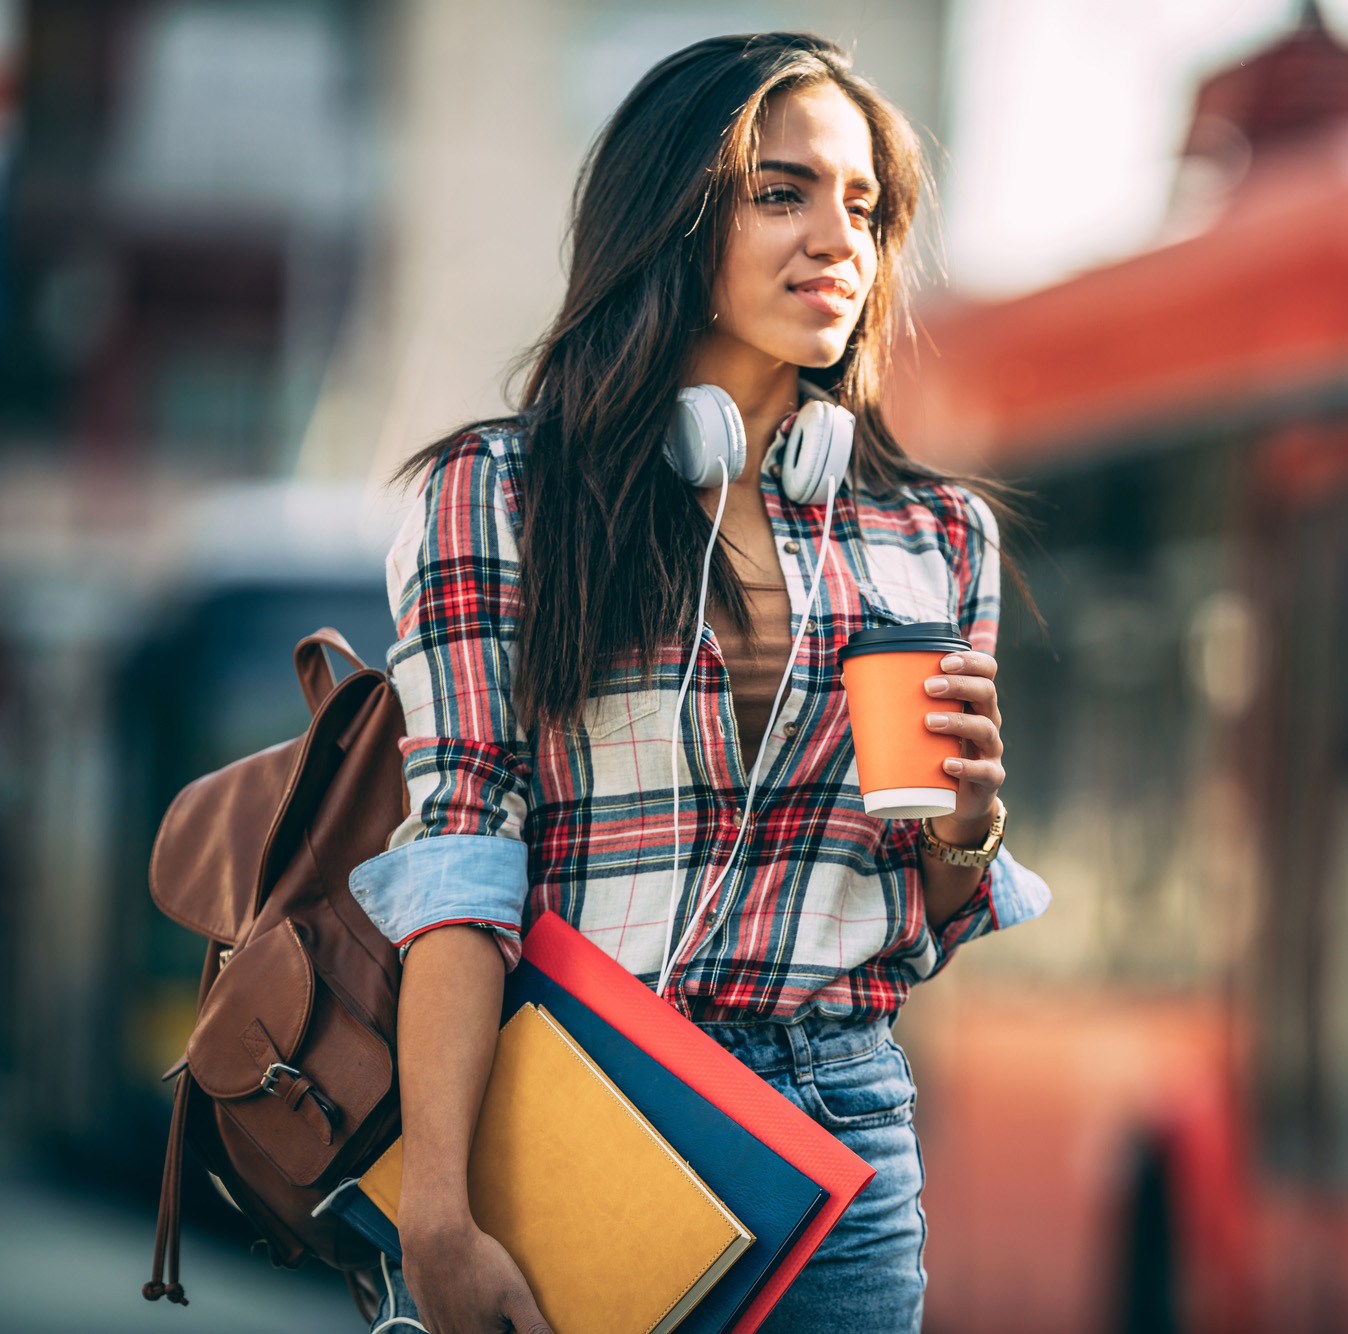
[832, 235]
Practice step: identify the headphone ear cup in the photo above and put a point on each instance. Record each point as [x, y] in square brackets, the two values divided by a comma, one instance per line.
[819, 447]
[707, 426]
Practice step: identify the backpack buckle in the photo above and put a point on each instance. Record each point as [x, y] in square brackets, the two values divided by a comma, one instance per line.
[273, 1074]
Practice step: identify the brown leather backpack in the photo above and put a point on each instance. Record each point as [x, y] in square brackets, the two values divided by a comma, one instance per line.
[288, 1083]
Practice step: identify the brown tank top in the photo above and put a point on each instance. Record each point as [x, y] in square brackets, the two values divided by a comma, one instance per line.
[754, 681]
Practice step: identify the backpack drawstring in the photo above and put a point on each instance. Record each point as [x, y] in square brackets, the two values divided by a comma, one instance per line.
[168, 1233]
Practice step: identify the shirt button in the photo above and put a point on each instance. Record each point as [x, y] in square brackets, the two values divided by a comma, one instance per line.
[737, 819]
[811, 626]
[776, 470]
[791, 547]
[790, 729]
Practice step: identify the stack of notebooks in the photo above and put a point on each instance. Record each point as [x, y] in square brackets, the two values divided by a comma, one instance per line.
[641, 1177]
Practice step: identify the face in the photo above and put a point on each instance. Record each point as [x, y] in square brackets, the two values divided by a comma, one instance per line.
[801, 257]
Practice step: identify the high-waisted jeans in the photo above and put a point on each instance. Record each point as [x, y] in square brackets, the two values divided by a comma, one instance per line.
[855, 1081]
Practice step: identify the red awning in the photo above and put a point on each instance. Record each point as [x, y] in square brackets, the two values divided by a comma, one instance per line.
[1256, 306]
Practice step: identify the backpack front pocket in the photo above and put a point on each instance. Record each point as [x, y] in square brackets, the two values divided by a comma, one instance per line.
[290, 1067]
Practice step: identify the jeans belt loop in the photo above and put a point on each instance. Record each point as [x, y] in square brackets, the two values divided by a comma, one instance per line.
[800, 1053]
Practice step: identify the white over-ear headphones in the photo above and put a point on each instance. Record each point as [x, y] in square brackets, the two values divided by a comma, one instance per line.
[707, 427]
[706, 446]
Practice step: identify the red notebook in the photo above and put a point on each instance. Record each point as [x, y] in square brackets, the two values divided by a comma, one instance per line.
[620, 999]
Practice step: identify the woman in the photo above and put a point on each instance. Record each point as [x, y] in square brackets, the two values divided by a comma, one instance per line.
[738, 225]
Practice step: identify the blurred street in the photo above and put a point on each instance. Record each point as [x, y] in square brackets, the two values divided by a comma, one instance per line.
[72, 1263]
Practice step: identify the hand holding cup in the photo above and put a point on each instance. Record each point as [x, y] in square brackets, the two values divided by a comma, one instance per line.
[914, 760]
[966, 686]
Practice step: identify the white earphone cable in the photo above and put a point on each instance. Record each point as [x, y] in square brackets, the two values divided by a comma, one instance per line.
[669, 960]
[404, 1320]
[678, 719]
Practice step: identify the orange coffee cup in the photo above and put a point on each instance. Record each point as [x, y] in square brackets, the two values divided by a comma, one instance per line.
[898, 758]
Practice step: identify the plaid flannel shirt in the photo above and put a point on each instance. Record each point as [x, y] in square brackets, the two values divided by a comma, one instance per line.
[823, 909]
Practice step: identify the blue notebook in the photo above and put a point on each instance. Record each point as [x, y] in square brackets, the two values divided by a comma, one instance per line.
[774, 1200]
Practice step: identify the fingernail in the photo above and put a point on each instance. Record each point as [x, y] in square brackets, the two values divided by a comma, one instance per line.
[937, 685]
[952, 664]
[954, 766]
[939, 721]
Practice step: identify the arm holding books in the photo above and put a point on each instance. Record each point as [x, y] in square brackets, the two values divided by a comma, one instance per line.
[449, 1012]
[450, 888]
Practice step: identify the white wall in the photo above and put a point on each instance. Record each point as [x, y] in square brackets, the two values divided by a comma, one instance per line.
[1065, 118]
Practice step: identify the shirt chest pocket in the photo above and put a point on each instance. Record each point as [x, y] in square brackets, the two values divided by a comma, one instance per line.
[623, 713]
[907, 586]
[626, 745]
[617, 751]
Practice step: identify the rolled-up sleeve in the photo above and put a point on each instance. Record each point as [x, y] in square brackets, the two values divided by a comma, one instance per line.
[1008, 892]
[459, 857]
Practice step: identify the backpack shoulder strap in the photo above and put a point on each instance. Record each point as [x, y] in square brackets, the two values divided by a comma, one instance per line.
[312, 667]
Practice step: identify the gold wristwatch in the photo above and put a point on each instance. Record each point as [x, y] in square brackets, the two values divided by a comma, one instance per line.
[957, 856]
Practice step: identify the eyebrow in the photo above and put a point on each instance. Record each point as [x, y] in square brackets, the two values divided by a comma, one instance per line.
[804, 173]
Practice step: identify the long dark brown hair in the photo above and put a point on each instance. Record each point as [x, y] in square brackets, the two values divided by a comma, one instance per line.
[612, 544]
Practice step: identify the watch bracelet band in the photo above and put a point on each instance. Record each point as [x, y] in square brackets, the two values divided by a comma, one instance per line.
[982, 855]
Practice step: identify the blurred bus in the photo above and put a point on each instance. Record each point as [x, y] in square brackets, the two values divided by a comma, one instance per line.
[1134, 1112]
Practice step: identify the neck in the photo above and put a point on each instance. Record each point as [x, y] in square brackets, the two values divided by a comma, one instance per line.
[765, 391]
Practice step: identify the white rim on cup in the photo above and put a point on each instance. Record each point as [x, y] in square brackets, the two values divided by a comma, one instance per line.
[908, 803]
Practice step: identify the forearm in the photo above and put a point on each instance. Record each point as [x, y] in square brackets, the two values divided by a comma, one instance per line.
[946, 888]
[449, 1012]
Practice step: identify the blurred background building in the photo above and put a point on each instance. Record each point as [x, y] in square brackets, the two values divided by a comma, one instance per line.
[252, 255]
[1137, 1113]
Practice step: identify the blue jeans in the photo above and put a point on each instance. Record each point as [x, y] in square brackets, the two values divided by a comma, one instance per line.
[855, 1081]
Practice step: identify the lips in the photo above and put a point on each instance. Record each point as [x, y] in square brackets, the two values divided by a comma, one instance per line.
[830, 296]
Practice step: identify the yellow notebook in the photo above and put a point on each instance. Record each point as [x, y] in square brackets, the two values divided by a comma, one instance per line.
[612, 1229]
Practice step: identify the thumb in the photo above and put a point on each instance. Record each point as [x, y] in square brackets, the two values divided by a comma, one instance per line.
[524, 1315]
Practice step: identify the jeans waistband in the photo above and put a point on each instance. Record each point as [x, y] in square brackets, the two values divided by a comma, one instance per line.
[766, 1047]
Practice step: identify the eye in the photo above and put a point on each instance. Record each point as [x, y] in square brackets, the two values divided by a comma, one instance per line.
[779, 194]
[861, 208]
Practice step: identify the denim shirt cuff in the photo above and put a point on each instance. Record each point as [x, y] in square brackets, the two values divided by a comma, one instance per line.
[444, 879]
[1017, 894]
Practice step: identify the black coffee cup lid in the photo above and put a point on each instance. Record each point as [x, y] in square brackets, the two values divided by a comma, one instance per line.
[919, 637]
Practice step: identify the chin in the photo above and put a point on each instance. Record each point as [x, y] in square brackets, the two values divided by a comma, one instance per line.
[818, 356]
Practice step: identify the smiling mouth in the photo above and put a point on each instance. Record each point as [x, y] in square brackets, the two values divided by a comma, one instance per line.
[830, 296]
